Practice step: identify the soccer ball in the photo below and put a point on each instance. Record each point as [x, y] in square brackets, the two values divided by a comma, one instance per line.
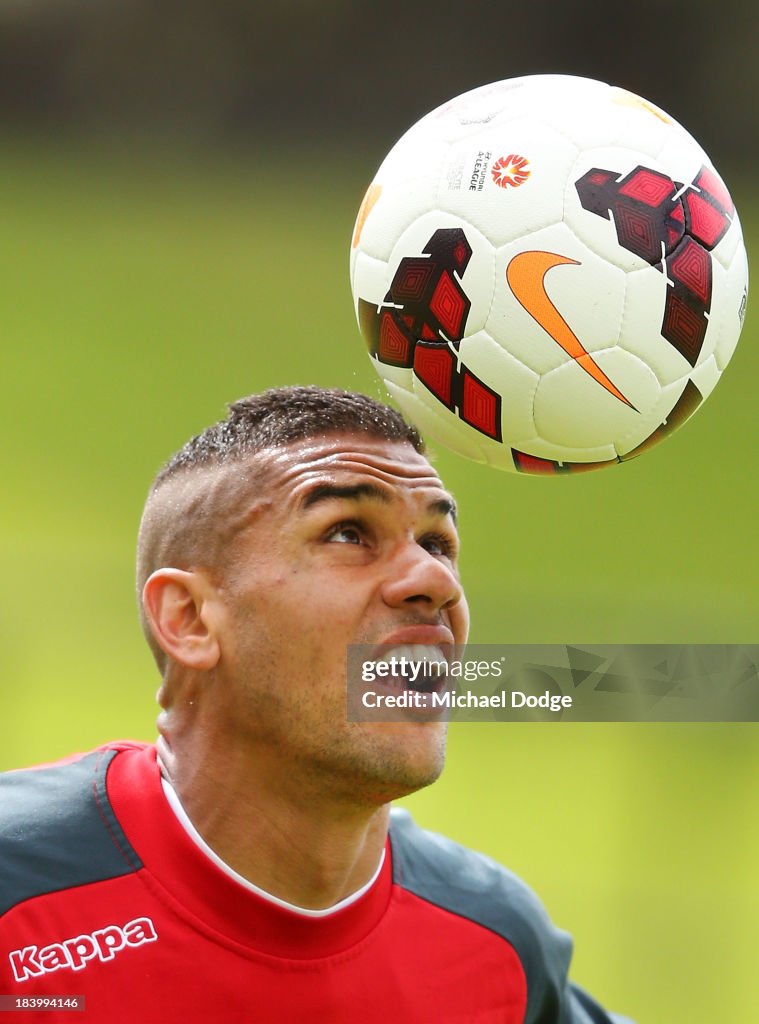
[549, 274]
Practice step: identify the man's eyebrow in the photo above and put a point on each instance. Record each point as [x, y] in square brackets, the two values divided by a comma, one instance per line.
[355, 492]
[443, 507]
[349, 492]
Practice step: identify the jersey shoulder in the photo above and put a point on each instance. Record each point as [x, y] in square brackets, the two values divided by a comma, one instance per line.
[58, 829]
[474, 887]
[467, 883]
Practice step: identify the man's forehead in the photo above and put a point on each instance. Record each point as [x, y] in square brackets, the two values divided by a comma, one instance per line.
[301, 463]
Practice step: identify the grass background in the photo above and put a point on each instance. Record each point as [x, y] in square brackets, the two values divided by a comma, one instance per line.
[143, 292]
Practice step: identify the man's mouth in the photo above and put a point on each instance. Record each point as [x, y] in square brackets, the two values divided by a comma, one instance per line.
[419, 667]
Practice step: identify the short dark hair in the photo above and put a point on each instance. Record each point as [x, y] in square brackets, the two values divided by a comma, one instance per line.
[280, 416]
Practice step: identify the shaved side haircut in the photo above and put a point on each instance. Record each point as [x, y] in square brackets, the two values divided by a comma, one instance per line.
[192, 510]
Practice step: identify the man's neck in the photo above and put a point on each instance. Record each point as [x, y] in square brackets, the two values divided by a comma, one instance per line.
[300, 848]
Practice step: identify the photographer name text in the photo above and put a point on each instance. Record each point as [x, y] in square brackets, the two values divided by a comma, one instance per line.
[466, 699]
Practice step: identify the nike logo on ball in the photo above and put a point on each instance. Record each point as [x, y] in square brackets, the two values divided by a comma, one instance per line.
[526, 277]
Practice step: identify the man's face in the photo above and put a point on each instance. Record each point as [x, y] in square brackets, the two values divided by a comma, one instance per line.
[346, 539]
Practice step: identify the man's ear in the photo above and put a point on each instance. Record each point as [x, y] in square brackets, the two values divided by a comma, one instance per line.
[176, 604]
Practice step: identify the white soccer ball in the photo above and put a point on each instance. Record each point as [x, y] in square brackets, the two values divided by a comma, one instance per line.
[549, 274]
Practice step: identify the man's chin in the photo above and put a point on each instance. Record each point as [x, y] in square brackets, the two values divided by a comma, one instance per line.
[415, 759]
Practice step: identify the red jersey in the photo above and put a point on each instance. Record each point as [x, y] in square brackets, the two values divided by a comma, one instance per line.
[104, 895]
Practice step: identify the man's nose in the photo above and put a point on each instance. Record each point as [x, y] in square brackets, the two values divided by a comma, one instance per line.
[416, 577]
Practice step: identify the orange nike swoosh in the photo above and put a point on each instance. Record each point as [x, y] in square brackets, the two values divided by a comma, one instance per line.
[526, 276]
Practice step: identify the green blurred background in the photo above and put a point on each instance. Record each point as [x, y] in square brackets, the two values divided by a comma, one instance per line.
[178, 190]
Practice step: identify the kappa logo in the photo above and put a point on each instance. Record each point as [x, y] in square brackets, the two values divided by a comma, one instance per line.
[76, 953]
[526, 277]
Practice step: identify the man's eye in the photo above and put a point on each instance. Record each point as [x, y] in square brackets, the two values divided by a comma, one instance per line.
[345, 533]
[438, 544]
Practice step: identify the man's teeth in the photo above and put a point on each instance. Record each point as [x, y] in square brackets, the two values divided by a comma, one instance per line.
[430, 659]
